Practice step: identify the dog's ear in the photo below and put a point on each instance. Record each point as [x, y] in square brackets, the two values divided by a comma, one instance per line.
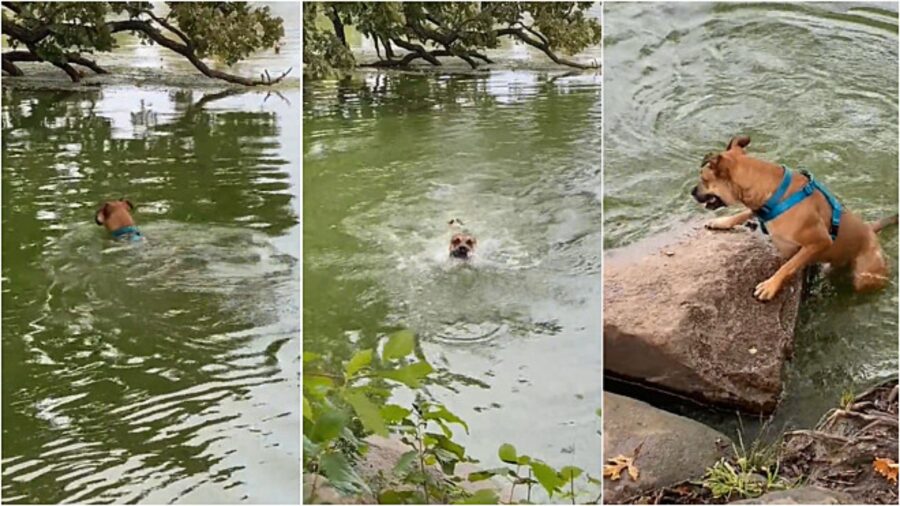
[742, 141]
[100, 217]
[130, 205]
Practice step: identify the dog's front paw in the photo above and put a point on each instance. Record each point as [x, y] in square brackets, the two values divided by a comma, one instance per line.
[722, 223]
[767, 290]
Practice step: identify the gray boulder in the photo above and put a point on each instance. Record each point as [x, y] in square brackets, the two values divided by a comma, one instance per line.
[680, 316]
[669, 449]
[801, 495]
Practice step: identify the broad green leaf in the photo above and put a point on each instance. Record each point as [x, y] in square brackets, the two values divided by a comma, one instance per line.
[310, 449]
[410, 375]
[450, 445]
[368, 412]
[392, 496]
[340, 473]
[328, 426]
[405, 462]
[442, 413]
[569, 473]
[399, 345]
[317, 385]
[486, 474]
[394, 414]
[307, 409]
[507, 453]
[359, 361]
[309, 356]
[483, 496]
[546, 476]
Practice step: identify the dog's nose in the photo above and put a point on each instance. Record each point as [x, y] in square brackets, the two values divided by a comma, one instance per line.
[463, 249]
[696, 194]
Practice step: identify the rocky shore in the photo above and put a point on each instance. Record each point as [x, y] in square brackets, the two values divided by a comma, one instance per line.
[679, 317]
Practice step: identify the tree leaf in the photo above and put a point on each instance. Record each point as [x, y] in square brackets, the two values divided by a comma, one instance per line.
[483, 496]
[399, 345]
[307, 409]
[328, 426]
[405, 462]
[392, 496]
[486, 474]
[569, 473]
[410, 375]
[442, 413]
[507, 453]
[340, 473]
[394, 414]
[360, 360]
[613, 469]
[546, 476]
[887, 468]
[367, 411]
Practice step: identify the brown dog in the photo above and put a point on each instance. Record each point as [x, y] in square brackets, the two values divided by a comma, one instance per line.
[115, 215]
[462, 243]
[803, 232]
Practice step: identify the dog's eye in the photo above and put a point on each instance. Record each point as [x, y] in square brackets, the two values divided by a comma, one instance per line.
[469, 243]
[455, 241]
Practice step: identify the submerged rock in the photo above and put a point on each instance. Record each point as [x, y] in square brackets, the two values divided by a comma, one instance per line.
[667, 448]
[680, 316]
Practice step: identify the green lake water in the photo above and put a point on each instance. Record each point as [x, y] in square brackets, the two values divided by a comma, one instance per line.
[389, 159]
[814, 86]
[166, 370]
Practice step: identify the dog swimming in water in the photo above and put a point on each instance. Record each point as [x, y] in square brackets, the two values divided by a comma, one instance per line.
[462, 242]
[115, 215]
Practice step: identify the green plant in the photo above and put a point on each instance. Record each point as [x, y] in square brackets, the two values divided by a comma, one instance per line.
[847, 398]
[529, 471]
[753, 472]
[342, 409]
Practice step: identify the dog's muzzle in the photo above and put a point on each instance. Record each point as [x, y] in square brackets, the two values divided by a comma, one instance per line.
[710, 201]
[461, 252]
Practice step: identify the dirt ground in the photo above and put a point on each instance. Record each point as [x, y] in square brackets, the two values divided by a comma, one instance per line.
[838, 454]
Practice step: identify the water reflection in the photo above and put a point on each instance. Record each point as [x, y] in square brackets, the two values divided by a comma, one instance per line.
[168, 370]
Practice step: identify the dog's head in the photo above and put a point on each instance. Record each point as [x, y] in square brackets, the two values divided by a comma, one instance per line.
[717, 188]
[462, 243]
[115, 214]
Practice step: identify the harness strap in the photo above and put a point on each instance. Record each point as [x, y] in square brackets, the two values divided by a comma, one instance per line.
[129, 230]
[774, 207]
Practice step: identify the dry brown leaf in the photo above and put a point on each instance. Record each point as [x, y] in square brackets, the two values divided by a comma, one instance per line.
[613, 469]
[887, 468]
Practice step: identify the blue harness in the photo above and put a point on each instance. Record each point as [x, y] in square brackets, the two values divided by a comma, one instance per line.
[775, 207]
[130, 232]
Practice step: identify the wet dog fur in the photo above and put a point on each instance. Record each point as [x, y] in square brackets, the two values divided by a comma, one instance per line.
[801, 234]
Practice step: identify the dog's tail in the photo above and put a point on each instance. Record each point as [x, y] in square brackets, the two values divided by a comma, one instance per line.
[884, 222]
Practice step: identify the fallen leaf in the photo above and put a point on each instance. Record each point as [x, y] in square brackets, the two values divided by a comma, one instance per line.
[613, 470]
[887, 468]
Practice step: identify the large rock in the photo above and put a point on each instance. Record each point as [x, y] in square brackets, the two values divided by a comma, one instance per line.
[673, 449]
[679, 315]
[801, 495]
